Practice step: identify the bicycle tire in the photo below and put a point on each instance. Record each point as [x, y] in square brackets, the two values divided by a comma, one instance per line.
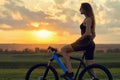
[38, 66]
[96, 66]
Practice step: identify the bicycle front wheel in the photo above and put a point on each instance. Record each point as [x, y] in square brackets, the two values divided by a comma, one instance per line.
[42, 72]
[95, 72]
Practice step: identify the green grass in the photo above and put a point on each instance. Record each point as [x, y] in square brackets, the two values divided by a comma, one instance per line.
[19, 74]
[12, 74]
[27, 60]
[15, 66]
[22, 58]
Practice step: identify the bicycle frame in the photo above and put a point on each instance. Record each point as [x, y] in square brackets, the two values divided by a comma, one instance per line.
[55, 57]
[86, 69]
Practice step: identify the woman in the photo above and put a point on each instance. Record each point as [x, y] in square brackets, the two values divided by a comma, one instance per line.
[85, 42]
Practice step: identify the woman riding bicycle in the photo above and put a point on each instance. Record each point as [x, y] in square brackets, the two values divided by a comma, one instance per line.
[85, 42]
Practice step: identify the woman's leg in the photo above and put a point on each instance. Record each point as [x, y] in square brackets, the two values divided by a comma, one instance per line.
[89, 62]
[89, 56]
[65, 50]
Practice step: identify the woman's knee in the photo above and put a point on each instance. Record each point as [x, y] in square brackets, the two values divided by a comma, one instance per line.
[64, 49]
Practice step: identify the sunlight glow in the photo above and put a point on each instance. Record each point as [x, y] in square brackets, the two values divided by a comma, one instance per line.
[44, 34]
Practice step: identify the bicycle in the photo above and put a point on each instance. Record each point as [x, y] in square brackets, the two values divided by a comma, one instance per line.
[48, 72]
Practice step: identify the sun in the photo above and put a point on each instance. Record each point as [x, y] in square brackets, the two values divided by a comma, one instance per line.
[44, 34]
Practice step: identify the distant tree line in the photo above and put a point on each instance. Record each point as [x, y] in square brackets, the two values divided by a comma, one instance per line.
[115, 50]
[26, 50]
[38, 50]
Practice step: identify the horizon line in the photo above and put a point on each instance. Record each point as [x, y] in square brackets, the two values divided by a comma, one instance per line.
[53, 43]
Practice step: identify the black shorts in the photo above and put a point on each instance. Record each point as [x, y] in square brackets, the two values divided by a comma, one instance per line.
[89, 51]
[86, 45]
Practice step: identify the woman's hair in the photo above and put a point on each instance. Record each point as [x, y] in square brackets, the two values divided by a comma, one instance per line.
[89, 12]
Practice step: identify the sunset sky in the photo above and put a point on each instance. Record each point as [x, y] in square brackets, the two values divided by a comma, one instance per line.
[56, 21]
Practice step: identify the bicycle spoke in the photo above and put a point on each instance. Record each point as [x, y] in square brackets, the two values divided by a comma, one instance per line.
[37, 74]
[98, 73]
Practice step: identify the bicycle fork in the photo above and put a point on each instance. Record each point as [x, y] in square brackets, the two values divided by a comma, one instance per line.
[46, 71]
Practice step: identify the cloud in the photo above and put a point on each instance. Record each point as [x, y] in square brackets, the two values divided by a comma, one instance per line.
[60, 16]
[5, 26]
[107, 15]
[107, 21]
[60, 1]
[18, 16]
[2, 2]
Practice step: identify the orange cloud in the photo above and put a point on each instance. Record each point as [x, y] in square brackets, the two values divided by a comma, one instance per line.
[5, 26]
[62, 17]
[16, 15]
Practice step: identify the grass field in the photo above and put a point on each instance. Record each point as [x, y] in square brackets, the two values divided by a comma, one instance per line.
[19, 74]
[15, 66]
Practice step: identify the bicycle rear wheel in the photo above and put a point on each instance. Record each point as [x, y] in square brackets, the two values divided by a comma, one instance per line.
[95, 72]
[38, 71]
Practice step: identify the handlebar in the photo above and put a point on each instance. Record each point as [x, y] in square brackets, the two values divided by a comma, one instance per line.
[52, 49]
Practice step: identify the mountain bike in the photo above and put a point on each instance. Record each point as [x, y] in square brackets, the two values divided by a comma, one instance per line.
[48, 72]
